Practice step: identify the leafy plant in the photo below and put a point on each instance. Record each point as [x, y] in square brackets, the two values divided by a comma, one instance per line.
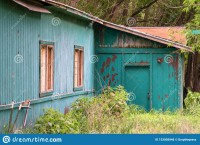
[109, 113]
[192, 102]
[53, 122]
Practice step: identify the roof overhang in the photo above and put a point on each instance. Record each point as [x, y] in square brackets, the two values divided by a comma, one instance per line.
[148, 36]
[75, 11]
[32, 6]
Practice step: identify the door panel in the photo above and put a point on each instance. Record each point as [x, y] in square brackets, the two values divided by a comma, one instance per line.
[137, 83]
[165, 82]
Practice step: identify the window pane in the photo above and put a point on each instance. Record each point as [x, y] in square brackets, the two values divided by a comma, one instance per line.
[46, 68]
[81, 69]
[49, 68]
[42, 69]
[78, 68]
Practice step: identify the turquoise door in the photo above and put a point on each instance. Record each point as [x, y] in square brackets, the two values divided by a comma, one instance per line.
[137, 83]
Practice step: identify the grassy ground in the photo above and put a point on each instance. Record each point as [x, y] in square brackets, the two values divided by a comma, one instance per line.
[153, 123]
[109, 113]
[127, 123]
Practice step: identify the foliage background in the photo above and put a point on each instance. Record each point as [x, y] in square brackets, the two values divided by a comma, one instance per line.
[146, 12]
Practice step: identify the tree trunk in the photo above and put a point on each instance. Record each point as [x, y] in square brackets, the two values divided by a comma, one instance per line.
[125, 11]
[192, 77]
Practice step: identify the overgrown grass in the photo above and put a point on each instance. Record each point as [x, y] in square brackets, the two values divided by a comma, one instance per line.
[109, 113]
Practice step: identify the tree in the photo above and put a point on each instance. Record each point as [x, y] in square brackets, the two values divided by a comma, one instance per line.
[193, 34]
[146, 12]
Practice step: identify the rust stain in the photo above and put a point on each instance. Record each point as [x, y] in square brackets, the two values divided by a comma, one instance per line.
[108, 75]
[108, 61]
[113, 76]
[166, 96]
[159, 97]
[102, 68]
[160, 60]
[109, 82]
[113, 69]
[174, 64]
[114, 57]
[144, 63]
[105, 64]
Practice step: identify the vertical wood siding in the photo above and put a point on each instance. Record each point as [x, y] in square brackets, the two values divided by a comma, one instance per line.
[20, 33]
[116, 49]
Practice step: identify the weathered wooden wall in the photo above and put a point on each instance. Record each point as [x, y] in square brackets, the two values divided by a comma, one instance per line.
[20, 33]
[118, 51]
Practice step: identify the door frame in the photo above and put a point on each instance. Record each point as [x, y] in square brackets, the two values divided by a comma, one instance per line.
[135, 64]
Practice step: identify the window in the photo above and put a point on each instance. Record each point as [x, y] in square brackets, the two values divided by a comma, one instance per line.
[78, 68]
[46, 68]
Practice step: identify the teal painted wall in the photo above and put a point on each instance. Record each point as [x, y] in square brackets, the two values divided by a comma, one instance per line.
[122, 59]
[20, 33]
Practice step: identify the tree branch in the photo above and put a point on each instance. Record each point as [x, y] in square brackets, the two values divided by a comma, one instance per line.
[111, 10]
[144, 7]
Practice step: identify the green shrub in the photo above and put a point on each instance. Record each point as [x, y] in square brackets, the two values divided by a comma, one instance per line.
[192, 103]
[87, 114]
[109, 113]
[53, 122]
[93, 113]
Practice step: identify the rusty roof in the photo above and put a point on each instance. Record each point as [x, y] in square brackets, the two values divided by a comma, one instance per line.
[164, 37]
[175, 34]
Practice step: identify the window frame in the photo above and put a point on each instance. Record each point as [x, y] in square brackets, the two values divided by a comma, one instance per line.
[47, 93]
[79, 88]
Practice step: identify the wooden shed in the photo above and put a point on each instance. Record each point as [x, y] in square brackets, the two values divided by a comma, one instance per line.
[51, 54]
[147, 61]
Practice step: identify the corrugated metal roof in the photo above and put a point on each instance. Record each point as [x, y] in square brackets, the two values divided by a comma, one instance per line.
[175, 34]
[148, 36]
[130, 30]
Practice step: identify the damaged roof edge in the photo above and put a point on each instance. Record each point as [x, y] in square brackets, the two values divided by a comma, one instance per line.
[148, 36]
[31, 6]
[118, 27]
